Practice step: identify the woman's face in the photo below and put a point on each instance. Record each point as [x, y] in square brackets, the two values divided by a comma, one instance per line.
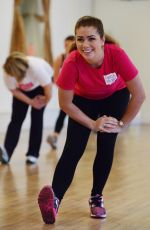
[89, 44]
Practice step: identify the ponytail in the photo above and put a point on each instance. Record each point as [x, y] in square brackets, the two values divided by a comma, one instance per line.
[110, 40]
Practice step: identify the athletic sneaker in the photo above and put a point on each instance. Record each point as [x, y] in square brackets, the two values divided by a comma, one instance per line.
[48, 204]
[52, 140]
[31, 160]
[4, 158]
[97, 206]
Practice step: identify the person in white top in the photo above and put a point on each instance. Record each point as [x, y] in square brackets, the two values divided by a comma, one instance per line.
[29, 79]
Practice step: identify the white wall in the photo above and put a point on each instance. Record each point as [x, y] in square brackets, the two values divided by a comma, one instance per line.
[128, 21]
[64, 14]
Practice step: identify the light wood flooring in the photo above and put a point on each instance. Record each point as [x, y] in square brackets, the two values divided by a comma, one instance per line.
[127, 193]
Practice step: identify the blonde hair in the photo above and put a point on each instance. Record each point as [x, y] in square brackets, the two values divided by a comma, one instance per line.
[16, 65]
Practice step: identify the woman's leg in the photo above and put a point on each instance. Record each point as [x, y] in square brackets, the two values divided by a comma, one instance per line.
[60, 121]
[103, 161]
[113, 106]
[77, 137]
[19, 111]
[36, 128]
[52, 138]
[36, 132]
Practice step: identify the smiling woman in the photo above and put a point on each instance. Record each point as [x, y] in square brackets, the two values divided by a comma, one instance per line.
[103, 93]
[89, 44]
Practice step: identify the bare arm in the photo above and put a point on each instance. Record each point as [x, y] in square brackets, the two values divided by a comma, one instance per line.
[47, 93]
[34, 102]
[38, 101]
[65, 102]
[136, 90]
[57, 67]
[21, 96]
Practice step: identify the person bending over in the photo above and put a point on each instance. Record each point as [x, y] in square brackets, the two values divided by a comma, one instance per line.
[29, 80]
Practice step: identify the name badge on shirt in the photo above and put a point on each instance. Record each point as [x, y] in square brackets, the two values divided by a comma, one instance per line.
[110, 78]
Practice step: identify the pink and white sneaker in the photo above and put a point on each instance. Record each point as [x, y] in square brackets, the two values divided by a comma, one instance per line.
[97, 209]
[48, 204]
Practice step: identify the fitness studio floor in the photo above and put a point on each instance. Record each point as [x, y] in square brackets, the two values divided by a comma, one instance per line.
[126, 194]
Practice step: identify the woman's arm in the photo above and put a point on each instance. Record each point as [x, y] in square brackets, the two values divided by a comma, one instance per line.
[65, 102]
[137, 92]
[38, 101]
[57, 67]
[21, 96]
[47, 94]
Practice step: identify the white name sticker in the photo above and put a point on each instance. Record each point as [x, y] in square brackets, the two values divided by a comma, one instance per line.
[110, 78]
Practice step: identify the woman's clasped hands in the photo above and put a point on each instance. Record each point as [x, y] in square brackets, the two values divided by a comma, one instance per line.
[107, 124]
[38, 102]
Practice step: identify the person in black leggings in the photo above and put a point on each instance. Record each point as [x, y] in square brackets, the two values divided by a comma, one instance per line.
[29, 80]
[100, 90]
[19, 112]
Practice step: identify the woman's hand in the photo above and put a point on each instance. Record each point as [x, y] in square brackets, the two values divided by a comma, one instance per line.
[119, 128]
[38, 102]
[106, 124]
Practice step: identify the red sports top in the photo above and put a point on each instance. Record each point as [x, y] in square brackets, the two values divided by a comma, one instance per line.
[97, 83]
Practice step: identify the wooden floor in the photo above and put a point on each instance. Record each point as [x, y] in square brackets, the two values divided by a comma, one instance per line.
[127, 193]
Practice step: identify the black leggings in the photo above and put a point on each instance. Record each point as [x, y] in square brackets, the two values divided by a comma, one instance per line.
[60, 121]
[77, 138]
[19, 112]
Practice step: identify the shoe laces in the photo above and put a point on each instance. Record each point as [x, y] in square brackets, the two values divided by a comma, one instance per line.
[56, 203]
[96, 201]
